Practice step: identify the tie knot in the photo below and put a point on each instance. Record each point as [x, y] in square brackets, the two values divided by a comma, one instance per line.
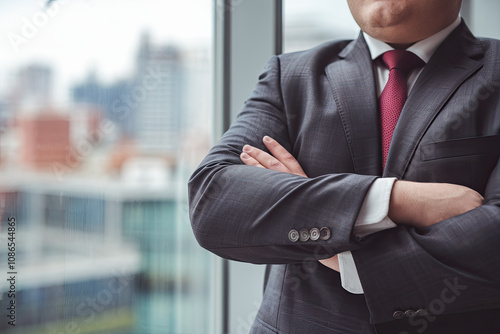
[402, 60]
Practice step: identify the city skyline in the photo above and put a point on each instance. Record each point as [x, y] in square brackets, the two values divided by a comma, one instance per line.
[63, 39]
[66, 40]
[149, 110]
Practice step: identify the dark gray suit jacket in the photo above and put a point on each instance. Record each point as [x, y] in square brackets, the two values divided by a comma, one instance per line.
[321, 105]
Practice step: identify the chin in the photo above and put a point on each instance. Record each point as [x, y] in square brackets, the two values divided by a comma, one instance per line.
[388, 15]
[392, 35]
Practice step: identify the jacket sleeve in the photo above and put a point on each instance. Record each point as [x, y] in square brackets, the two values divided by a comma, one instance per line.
[450, 267]
[246, 213]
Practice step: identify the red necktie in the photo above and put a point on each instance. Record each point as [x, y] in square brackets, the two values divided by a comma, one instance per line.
[393, 97]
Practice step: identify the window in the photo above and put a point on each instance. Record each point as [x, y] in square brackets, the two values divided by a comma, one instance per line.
[310, 23]
[105, 110]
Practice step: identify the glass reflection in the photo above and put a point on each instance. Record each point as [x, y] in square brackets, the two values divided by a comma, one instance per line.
[105, 109]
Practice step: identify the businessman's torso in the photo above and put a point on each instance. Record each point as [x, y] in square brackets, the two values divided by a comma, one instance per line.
[449, 131]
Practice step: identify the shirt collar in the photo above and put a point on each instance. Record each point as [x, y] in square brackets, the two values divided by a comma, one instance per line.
[424, 48]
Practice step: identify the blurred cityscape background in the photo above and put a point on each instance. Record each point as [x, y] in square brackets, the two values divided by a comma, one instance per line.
[105, 110]
[94, 165]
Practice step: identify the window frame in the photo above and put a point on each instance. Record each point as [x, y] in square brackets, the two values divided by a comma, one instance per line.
[243, 44]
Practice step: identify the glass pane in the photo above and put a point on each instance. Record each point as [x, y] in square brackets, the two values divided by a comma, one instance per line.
[105, 110]
[312, 22]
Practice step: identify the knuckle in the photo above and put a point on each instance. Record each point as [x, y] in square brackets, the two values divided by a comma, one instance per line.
[288, 157]
[272, 143]
[275, 164]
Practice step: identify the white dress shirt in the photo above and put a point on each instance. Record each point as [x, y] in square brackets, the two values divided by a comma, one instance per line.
[373, 216]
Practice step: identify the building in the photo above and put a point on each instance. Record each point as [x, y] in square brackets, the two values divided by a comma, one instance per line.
[158, 94]
[100, 256]
[32, 87]
[45, 141]
[108, 98]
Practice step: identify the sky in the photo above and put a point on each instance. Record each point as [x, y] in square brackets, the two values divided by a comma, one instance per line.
[77, 36]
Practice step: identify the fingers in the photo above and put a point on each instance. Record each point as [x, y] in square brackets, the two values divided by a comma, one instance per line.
[264, 159]
[248, 160]
[282, 155]
[279, 160]
[332, 263]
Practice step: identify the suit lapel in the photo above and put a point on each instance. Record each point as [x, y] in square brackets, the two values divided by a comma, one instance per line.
[454, 61]
[354, 91]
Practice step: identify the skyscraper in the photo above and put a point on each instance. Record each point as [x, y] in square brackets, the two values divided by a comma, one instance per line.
[157, 93]
[32, 88]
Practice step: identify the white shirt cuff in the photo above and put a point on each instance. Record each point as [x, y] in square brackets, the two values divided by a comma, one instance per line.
[349, 274]
[372, 218]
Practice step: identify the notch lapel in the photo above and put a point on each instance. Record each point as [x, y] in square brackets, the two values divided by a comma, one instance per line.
[353, 86]
[454, 61]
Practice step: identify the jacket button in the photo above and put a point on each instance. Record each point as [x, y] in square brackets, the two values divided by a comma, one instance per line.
[304, 235]
[398, 315]
[422, 313]
[324, 233]
[314, 233]
[410, 313]
[293, 235]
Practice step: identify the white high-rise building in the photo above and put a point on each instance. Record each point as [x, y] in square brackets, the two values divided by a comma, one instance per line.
[158, 95]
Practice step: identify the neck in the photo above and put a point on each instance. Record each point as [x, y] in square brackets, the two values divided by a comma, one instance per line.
[400, 46]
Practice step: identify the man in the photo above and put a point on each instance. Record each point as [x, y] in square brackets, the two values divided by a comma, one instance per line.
[392, 179]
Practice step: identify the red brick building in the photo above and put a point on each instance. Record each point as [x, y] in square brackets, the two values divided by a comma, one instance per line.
[45, 141]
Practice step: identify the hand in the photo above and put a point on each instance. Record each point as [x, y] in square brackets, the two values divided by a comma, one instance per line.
[282, 161]
[332, 263]
[423, 204]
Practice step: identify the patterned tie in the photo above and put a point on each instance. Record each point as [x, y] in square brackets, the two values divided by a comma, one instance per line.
[393, 97]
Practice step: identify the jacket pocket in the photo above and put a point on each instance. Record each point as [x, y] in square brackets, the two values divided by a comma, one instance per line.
[487, 145]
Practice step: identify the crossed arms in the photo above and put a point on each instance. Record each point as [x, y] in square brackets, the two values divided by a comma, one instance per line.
[244, 213]
[412, 203]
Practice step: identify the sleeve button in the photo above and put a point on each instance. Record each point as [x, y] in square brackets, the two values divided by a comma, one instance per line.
[293, 235]
[410, 313]
[304, 235]
[314, 233]
[324, 233]
[422, 313]
[398, 315]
